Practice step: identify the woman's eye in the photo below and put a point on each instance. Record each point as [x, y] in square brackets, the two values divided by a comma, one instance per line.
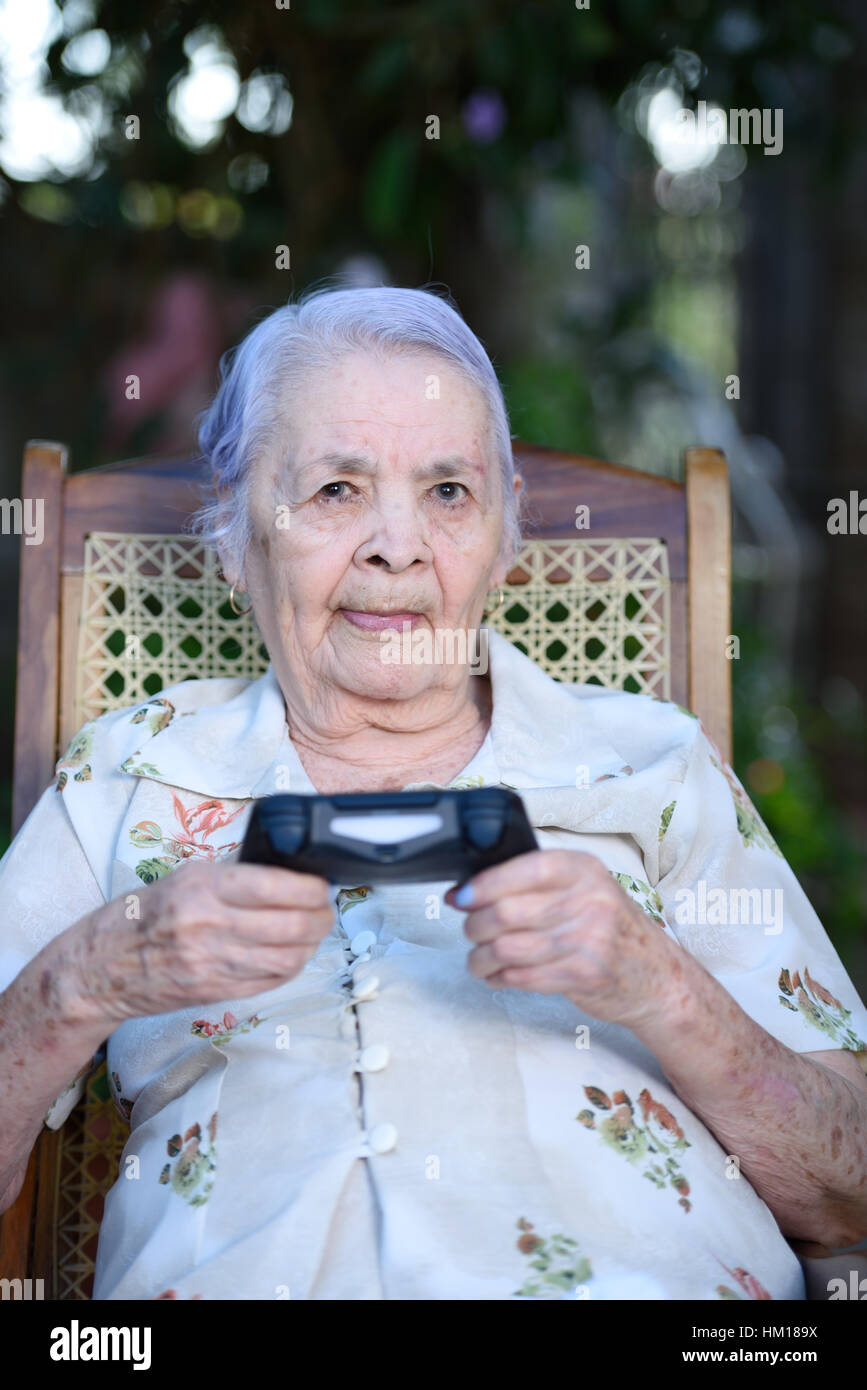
[333, 496]
[446, 492]
[453, 497]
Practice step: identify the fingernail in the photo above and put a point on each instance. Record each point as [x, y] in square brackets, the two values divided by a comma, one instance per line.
[464, 895]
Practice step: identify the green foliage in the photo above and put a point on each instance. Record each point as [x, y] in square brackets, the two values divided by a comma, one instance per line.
[814, 835]
[550, 403]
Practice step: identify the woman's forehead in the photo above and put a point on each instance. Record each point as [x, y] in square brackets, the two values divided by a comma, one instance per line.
[367, 417]
[368, 390]
[434, 469]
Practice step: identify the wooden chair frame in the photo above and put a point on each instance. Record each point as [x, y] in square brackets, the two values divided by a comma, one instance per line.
[155, 495]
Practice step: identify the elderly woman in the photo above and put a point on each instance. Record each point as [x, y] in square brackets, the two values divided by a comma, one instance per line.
[405, 1092]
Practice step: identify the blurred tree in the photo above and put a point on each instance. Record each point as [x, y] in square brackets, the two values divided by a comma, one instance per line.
[308, 128]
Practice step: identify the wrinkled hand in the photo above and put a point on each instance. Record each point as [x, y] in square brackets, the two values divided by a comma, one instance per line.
[557, 922]
[204, 933]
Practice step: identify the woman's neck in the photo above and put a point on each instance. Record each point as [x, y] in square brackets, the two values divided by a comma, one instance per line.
[378, 759]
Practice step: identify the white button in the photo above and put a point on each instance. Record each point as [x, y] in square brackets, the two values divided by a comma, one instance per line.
[374, 1057]
[383, 1138]
[362, 942]
[366, 989]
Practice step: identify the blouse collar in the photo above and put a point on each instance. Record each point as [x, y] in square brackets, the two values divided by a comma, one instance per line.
[544, 742]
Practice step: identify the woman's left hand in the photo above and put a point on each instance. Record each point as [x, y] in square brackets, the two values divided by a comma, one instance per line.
[556, 922]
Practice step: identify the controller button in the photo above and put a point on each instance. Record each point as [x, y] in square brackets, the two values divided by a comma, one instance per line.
[288, 833]
[374, 1057]
[383, 1138]
[362, 941]
[483, 831]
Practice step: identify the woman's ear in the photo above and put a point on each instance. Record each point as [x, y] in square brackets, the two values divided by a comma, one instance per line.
[229, 570]
[228, 565]
[232, 572]
[499, 573]
[502, 567]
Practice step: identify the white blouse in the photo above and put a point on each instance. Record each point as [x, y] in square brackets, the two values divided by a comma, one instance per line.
[386, 1126]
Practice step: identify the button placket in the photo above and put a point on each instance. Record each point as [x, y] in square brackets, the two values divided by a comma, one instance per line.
[382, 1138]
[379, 1138]
[362, 942]
[374, 1057]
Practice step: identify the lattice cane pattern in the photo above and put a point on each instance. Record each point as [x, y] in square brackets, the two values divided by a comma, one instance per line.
[91, 1144]
[593, 611]
[154, 611]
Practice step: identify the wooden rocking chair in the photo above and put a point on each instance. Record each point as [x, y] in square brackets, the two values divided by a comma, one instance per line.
[117, 603]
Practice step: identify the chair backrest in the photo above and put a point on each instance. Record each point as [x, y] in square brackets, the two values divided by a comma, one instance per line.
[623, 580]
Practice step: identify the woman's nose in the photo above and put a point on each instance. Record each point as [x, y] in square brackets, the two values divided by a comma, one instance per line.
[396, 541]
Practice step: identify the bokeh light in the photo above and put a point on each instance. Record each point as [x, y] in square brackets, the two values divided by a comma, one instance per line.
[202, 98]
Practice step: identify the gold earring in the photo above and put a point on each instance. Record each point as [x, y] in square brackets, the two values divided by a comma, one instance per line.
[500, 601]
[233, 605]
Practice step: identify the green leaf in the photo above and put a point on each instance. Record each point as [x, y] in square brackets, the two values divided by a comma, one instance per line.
[145, 834]
[150, 869]
[390, 183]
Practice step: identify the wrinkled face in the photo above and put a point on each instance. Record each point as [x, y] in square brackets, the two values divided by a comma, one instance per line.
[380, 506]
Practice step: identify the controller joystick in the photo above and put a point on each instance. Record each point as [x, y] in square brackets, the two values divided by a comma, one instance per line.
[483, 825]
[289, 830]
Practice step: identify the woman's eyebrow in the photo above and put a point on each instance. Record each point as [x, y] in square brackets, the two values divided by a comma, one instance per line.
[447, 467]
[354, 463]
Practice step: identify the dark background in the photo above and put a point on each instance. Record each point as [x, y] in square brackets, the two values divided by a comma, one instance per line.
[306, 128]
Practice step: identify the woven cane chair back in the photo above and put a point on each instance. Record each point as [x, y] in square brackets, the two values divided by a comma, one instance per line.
[155, 611]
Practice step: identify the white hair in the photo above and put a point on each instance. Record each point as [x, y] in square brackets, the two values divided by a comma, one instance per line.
[244, 418]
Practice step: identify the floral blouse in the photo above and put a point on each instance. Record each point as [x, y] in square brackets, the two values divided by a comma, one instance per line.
[386, 1126]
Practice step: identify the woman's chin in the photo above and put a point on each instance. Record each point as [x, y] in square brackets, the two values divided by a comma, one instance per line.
[372, 673]
[387, 663]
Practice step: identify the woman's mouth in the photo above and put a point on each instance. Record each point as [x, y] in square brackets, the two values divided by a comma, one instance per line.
[380, 622]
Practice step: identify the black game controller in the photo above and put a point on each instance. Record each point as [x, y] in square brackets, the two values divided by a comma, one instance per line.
[389, 837]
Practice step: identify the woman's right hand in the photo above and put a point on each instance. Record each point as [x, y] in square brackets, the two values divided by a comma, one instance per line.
[204, 933]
